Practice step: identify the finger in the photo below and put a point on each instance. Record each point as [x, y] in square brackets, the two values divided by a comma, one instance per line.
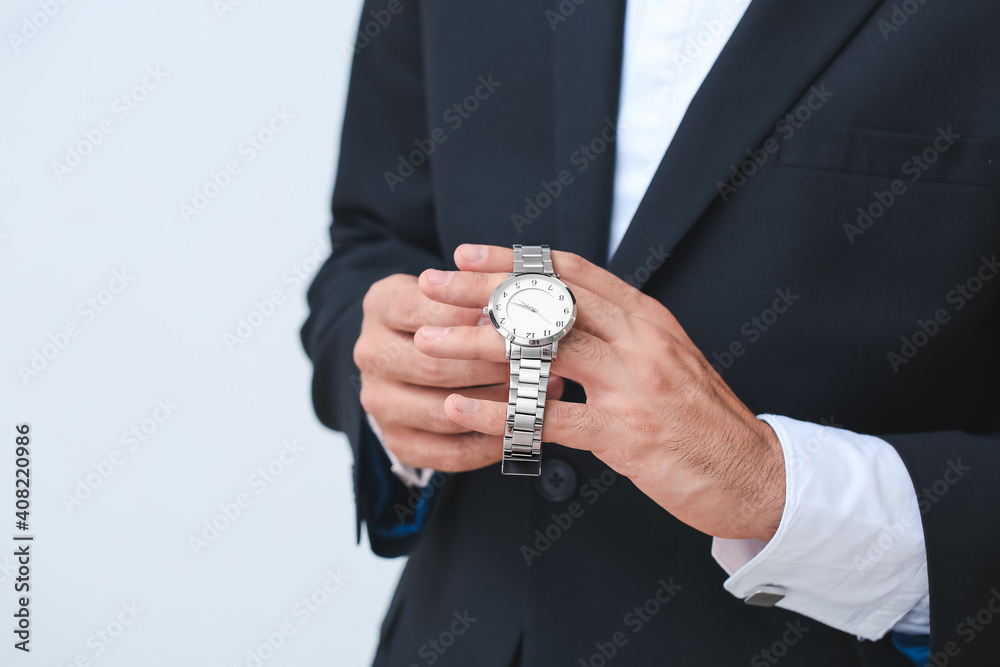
[575, 425]
[385, 353]
[469, 289]
[395, 404]
[582, 357]
[461, 343]
[448, 453]
[574, 269]
[399, 303]
[595, 314]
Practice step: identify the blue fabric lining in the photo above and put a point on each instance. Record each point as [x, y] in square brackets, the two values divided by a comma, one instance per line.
[389, 490]
[916, 648]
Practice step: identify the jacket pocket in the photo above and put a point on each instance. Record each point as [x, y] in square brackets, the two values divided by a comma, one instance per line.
[945, 157]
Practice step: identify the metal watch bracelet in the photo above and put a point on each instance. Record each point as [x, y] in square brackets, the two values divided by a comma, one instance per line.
[529, 379]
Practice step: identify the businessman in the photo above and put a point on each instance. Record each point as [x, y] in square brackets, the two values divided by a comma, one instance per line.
[773, 432]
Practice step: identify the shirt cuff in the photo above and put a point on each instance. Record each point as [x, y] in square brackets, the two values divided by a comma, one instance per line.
[849, 550]
[409, 475]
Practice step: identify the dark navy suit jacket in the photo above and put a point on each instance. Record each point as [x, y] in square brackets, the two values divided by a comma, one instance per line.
[845, 152]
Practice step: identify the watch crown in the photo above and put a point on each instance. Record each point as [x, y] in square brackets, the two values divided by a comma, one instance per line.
[486, 310]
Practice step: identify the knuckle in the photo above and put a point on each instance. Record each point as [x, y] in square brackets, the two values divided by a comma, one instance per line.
[370, 398]
[575, 262]
[360, 353]
[396, 444]
[587, 348]
[455, 459]
[441, 422]
[584, 424]
[370, 301]
[432, 370]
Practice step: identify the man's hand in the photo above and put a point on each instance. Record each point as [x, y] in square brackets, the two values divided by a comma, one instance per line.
[405, 390]
[656, 411]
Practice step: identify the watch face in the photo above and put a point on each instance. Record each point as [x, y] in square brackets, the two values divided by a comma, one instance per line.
[532, 309]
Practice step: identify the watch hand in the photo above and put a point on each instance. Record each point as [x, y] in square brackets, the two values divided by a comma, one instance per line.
[534, 310]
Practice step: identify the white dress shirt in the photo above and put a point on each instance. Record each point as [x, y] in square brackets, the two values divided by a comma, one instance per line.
[849, 550]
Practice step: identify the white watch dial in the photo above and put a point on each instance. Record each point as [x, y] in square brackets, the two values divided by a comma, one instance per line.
[533, 309]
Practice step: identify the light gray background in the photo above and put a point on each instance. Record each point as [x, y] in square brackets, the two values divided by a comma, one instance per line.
[162, 336]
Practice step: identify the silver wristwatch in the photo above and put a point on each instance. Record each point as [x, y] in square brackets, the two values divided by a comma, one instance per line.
[532, 309]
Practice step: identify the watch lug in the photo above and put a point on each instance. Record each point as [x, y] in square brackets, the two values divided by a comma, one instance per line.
[506, 345]
[555, 348]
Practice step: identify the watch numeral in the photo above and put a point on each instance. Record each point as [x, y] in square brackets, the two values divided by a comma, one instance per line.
[566, 311]
[559, 323]
[534, 282]
[547, 332]
[550, 288]
[562, 297]
[502, 320]
[517, 285]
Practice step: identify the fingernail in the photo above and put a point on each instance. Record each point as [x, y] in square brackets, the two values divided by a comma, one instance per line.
[474, 253]
[483, 321]
[463, 404]
[438, 277]
[434, 333]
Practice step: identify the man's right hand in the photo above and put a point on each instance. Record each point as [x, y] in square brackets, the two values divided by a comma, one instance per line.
[404, 390]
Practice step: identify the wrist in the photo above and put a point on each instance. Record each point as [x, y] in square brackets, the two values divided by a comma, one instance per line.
[770, 504]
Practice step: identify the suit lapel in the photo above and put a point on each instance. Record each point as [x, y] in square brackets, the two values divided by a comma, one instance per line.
[587, 61]
[774, 55]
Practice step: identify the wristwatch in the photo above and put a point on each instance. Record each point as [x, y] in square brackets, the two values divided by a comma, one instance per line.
[532, 309]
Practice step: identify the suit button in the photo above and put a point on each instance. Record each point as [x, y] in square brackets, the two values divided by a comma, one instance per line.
[557, 481]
